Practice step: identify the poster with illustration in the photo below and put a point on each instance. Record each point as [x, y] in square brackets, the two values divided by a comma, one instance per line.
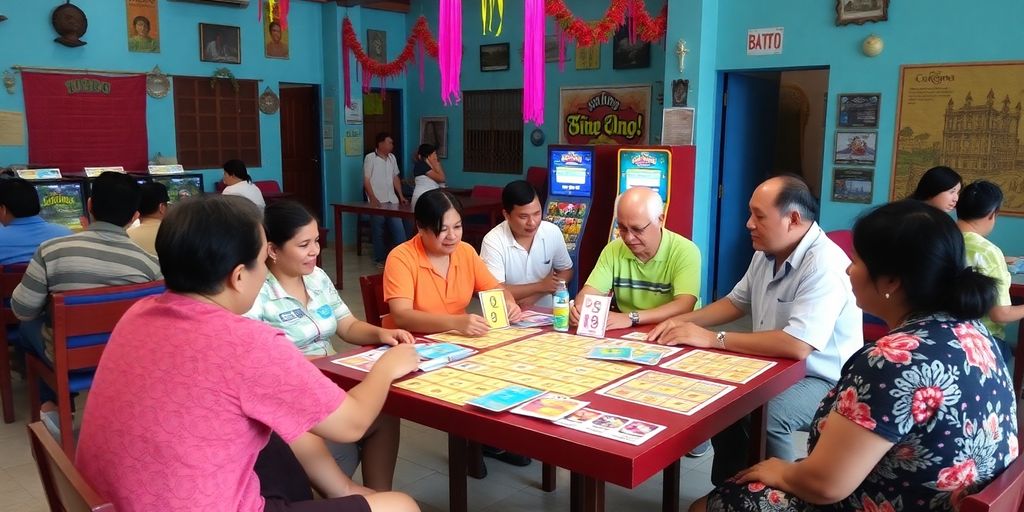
[275, 37]
[143, 26]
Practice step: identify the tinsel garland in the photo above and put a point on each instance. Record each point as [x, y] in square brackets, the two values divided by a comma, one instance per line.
[420, 36]
[643, 26]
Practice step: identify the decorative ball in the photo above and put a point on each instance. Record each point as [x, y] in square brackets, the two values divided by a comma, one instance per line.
[872, 46]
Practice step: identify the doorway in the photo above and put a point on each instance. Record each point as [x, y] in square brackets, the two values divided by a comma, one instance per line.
[382, 112]
[301, 172]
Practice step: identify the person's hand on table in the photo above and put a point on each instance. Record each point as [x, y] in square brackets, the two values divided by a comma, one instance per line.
[398, 361]
[618, 320]
[472, 325]
[403, 200]
[549, 284]
[672, 332]
[395, 336]
[374, 203]
[514, 312]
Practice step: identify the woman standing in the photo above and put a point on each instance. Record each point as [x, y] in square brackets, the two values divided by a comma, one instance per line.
[427, 171]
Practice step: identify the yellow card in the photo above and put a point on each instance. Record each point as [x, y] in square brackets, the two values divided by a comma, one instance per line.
[493, 304]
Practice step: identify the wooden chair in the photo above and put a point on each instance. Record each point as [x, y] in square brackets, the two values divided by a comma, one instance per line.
[10, 276]
[1005, 493]
[374, 306]
[82, 322]
[66, 489]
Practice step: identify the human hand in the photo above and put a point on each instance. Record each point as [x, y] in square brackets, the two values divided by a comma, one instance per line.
[514, 312]
[398, 361]
[395, 336]
[432, 160]
[662, 327]
[574, 313]
[618, 320]
[374, 203]
[549, 284]
[686, 333]
[472, 325]
[403, 200]
[768, 472]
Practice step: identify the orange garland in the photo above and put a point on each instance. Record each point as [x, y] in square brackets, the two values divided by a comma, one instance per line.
[420, 33]
[648, 29]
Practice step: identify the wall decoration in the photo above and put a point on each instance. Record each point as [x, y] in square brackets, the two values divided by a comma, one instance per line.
[220, 43]
[157, 83]
[859, 110]
[9, 81]
[604, 115]
[434, 131]
[270, 103]
[588, 57]
[859, 12]
[585, 33]
[275, 35]
[494, 57]
[537, 137]
[70, 23]
[677, 126]
[143, 26]
[680, 92]
[419, 38]
[965, 116]
[377, 45]
[857, 148]
[630, 52]
[851, 185]
[354, 112]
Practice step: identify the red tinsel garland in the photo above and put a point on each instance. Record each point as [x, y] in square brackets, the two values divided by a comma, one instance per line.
[647, 29]
[372, 68]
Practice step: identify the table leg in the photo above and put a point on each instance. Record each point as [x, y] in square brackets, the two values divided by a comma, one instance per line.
[338, 283]
[475, 461]
[458, 449]
[758, 430]
[549, 477]
[670, 488]
[586, 494]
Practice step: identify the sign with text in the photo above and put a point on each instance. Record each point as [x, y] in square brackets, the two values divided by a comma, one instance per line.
[594, 315]
[604, 115]
[764, 41]
[493, 304]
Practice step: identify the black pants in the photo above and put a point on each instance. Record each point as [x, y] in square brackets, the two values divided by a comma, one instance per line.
[286, 488]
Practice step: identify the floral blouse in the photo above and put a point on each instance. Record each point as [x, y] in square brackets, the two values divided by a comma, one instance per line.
[939, 391]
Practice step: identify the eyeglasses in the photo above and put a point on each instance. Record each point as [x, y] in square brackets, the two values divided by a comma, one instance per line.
[636, 232]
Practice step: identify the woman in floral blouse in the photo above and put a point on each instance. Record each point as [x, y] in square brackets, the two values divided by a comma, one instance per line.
[921, 417]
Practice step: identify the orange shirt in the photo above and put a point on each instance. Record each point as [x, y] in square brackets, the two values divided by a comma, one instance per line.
[408, 274]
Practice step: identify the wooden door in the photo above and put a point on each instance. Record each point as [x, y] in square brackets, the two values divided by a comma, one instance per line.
[387, 118]
[300, 146]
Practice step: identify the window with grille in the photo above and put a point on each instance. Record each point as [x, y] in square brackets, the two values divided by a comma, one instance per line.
[214, 124]
[492, 131]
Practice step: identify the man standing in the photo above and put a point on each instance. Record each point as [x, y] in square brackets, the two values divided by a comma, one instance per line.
[383, 187]
[799, 297]
[23, 229]
[526, 253]
[152, 209]
[652, 273]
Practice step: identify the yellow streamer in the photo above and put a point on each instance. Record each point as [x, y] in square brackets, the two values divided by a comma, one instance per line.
[487, 18]
[271, 11]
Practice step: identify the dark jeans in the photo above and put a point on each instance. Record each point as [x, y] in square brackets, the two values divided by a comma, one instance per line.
[31, 341]
[284, 485]
[396, 232]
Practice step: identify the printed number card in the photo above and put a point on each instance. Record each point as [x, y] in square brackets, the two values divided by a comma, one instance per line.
[594, 316]
[493, 304]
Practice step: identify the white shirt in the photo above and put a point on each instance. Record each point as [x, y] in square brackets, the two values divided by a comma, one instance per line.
[382, 174]
[510, 263]
[810, 299]
[246, 190]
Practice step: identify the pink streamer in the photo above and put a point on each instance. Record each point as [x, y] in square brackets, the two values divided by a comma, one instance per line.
[533, 62]
[345, 73]
[420, 61]
[561, 49]
[449, 50]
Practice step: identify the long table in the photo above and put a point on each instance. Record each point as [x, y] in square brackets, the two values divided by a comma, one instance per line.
[592, 460]
[470, 206]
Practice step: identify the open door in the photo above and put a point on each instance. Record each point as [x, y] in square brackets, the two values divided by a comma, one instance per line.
[301, 172]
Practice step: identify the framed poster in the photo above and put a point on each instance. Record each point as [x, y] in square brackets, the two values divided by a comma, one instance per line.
[629, 55]
[434, 131]
[275, 39]
[588, 57]
[377, 45]
[858, 110]
[220, 43]
[859, 12]
[143, 26]
[584, 114]
[494, 57]
[857, 148]
[852, 185]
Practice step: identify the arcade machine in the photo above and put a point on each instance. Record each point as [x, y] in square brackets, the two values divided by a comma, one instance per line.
[179, 184]
[62, 200]
[570, 188]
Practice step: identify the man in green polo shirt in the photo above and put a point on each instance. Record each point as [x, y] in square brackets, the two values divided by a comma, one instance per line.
[653, 273]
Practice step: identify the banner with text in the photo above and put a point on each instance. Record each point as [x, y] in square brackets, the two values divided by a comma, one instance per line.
[604, 115]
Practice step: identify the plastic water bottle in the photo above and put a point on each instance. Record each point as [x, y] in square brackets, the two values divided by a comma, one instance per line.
[560, 308]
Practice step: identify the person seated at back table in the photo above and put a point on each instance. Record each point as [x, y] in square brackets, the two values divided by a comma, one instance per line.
[152, 209]
[23, 228]
[920, 418]
[939, 187]
[300, 299]
[239, 183]
[189, 392]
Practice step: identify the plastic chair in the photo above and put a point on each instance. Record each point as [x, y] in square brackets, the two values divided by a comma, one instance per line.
[10, 276]
[372, 288]
[82, 322]
[66, 488]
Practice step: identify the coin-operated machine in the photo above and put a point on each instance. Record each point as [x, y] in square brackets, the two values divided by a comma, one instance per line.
[570, 189]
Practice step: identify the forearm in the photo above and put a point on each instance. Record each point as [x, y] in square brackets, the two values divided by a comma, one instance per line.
[398, 187]
[1006, 314]
[716, 313]
[358, 332]
[368, 397]
[564, 275]
[681, 305]
[803, 481]
[320, 467]
[369, 190]
[522, 291]
[767, 343]
[419, 321]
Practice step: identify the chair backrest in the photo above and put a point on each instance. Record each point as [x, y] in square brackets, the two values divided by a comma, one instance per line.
[844, 239]
[1005, 493]
[373, 298]
[66, 489]
[10, 276]
[538, 177]
[268, 187]
[485, 192]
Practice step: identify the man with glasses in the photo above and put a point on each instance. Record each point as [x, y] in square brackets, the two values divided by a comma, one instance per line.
[652, 273]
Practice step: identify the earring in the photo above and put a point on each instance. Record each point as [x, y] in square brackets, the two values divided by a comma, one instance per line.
[886, 295]
[274, 260]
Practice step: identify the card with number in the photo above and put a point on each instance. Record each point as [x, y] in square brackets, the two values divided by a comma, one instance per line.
[493, 304]
[594, 315]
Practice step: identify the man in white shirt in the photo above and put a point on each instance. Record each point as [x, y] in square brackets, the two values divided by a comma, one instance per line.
[383, 187]
[524, 252]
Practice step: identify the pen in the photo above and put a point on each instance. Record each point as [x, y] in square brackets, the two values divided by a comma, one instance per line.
[438, 362]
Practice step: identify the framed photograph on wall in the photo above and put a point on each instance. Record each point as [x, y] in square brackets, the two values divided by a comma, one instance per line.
[857, 148]
[434, 130]
[629, 55]
[220, 43]
[377, 45]
[680, 92]
[494, 57]
[858, 12]
[851, 185]
[859, 110]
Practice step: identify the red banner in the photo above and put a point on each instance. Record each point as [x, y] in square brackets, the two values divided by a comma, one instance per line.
[76, 121]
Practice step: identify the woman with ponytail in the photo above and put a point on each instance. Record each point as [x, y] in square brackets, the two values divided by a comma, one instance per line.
[922, 417]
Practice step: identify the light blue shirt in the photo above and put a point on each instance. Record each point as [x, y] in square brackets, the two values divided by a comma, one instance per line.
[20, 239]
[810, 298]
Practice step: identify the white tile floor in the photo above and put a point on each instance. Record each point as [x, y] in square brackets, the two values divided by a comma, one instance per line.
[422, 466]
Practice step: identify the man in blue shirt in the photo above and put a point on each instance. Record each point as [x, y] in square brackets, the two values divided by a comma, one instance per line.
[23, 229]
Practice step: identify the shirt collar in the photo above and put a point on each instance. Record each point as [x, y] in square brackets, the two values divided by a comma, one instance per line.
[277, 292]
[20, 221]
[98, 225]
[797, 257]
[424, 261]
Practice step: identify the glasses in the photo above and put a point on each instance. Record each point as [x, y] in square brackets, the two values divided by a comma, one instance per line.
[636, 232]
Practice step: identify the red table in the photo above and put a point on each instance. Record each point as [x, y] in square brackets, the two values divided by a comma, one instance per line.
[470, 206]
[592, 460]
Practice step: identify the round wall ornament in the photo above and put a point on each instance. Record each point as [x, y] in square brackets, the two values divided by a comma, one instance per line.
[537, 137]
[157, 83]
[269, 102]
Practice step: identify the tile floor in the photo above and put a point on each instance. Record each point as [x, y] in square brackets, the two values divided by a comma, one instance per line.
[422, 466]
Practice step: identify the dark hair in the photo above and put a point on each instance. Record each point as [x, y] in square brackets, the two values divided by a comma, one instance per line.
[203, 238]
[425, 150]
[978, 200]
[796, 195]
[431, 207]
[143, 19]
[936, 181]
[274, 24]
[153, 195]
[381, 137]
[517, 193]
[237, 169]
[282, 219]
[115, 198]
[20, 197]
[922, 247]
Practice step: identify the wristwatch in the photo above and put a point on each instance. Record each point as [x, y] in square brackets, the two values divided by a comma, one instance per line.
[720, 339]
[634, 317]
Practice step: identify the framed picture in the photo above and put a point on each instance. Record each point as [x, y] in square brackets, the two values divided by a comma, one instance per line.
[550, 50]
[434, 130]
[857, 148]
[143, 26]
[588, 58]
[220, 43]
[377, 45]
[680, 91]
[852, 185]
[275, 39]
[858, 12]
[859, 110]
[627, 55]
[494, 57]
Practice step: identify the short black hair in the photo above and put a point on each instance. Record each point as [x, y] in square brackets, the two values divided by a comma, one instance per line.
[431, 207]
[796, 195]
[203, 238]
[20, 197]
[425, 150]
[282, 219]
[936, 181]
[143, 19]
[517, 193]
[922, 247]
[154, 194]
[979, 200]
[115, 198]
[381, 137]
[236, 168]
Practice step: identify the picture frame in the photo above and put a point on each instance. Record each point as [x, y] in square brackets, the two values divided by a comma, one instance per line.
[276, 39]
[852, 185]
[629, 55]
[434, 130]
[220, 43]
[858, 110]
[377, 45]
[680, 92]
[859, 12]
[855, 147]
[494, 57]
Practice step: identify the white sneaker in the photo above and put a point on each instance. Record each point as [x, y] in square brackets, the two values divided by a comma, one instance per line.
[51, 419]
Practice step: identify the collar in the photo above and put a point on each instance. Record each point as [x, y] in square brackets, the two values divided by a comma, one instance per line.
[421, 255]
[658, 256]
[277, 292]
[106, 227]
[21, 221]
[510, 237]
[797, 257]
[385, 158]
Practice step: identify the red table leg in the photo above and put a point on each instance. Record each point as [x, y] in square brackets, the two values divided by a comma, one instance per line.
[670, 488]
[586, 494]
[458, 449]
[549, 477]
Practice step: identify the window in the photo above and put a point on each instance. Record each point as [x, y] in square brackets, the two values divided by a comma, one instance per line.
[214, 124]
[492, 131]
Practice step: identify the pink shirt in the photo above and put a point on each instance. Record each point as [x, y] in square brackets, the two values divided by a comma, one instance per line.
[184, 398]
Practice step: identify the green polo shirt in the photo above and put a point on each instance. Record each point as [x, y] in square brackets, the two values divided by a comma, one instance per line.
[986, 258]
[673, 271]
[310, 326]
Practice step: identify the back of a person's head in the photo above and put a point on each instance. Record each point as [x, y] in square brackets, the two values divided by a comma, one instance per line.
[979, 200]
[425, 150]
[19, 197]
[282, 219]
[115, 198]
[431, 207]
[153, 195]
[517, 193]
[936, 181]
[203, 238]
[921, 247]
[794, 194]
[237, 169]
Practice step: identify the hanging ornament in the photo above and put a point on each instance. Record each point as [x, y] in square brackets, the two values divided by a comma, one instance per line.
[487, 15]
[420, 37]
[450, 50]
[533, 62]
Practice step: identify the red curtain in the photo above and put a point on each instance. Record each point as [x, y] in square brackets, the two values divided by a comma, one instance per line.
[77, 121]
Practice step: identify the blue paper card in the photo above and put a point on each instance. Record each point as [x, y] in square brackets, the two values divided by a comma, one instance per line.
[612, 353]
[505, 398]
[436, 350]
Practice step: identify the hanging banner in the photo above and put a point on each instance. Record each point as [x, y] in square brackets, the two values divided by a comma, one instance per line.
[604, 115]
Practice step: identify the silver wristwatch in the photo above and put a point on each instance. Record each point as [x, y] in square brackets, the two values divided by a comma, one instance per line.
[634, 317]
[720, 340]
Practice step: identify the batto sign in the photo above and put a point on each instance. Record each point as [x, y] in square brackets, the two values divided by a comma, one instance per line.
[764, 41]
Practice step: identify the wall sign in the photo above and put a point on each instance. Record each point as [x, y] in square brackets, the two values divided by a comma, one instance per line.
[764, 41]
[604, 115]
